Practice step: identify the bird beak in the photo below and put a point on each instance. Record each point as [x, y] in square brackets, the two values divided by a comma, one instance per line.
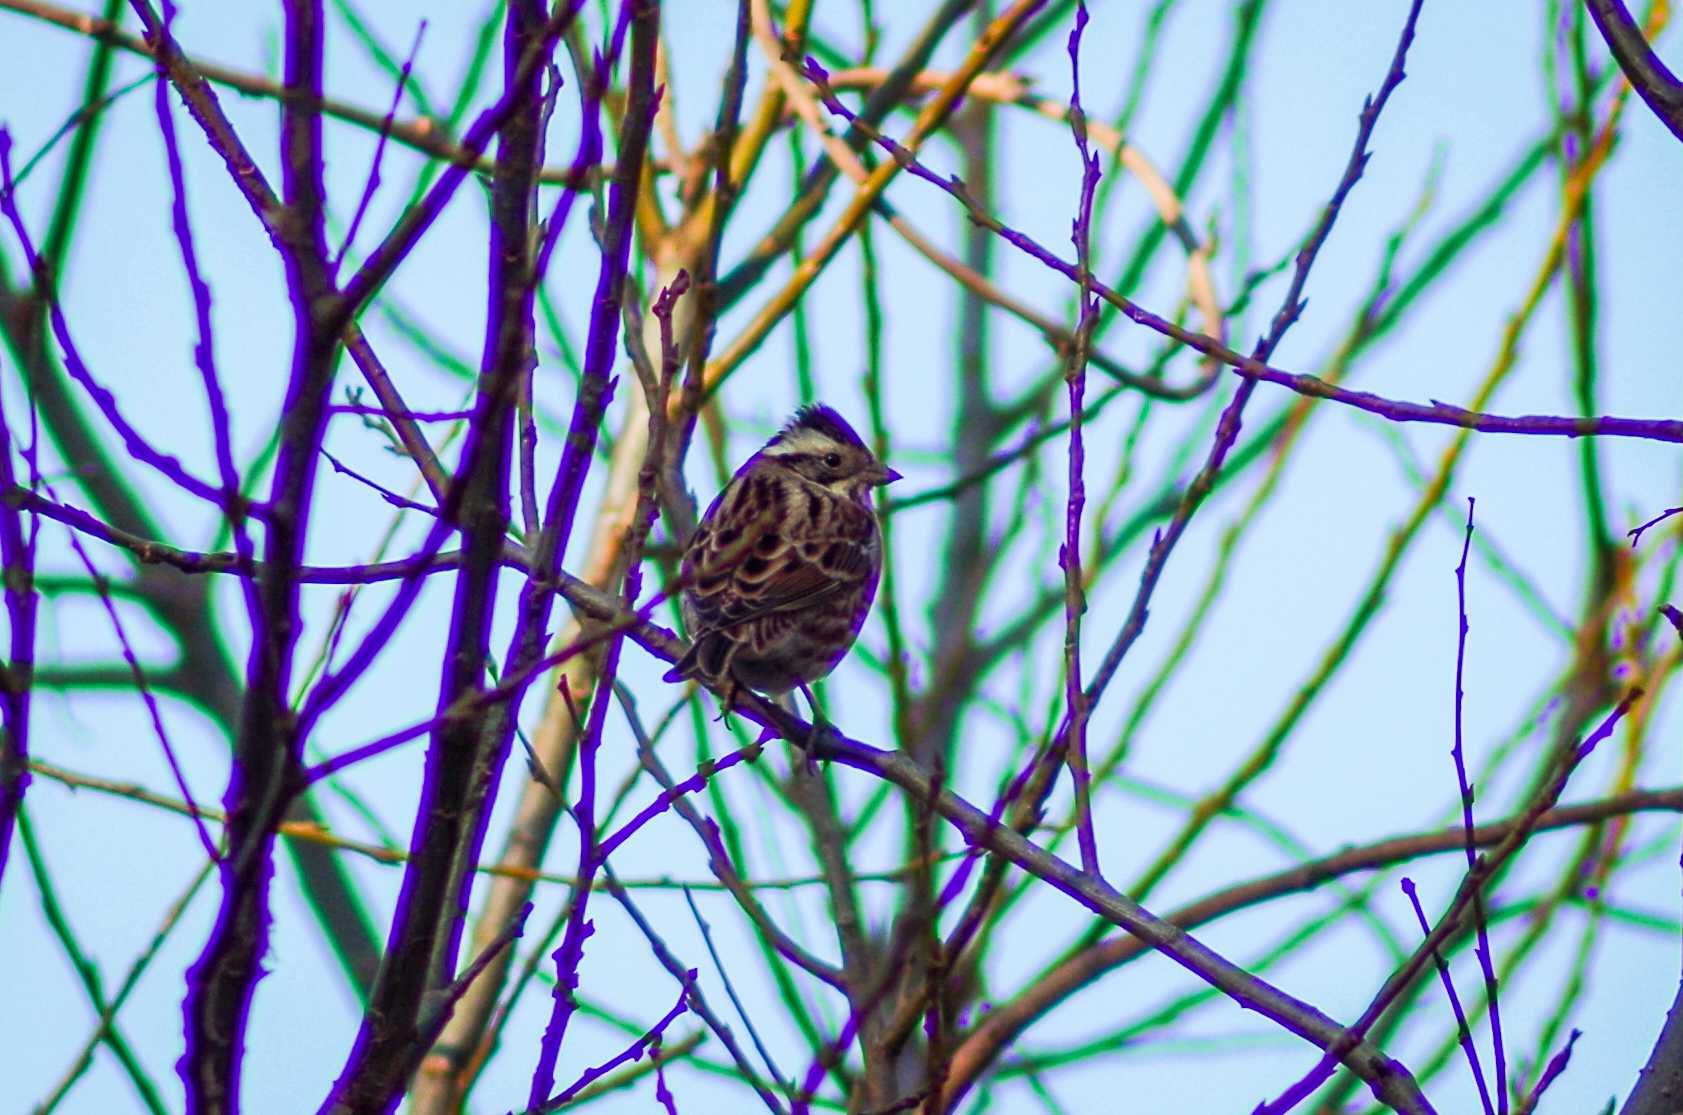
[886, 475]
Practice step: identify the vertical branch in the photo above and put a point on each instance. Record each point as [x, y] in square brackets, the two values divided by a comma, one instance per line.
[1227, 428]
[596, 385]
[569, 955]
[595, 389]
[17, 570]
[204, 350]
[1069, 556]
[426, 926]
[267, 749]
[1463, 1030]
[592, 88]
[1660, 1080]
[372, 184]
[208, 675]
[1573, 108]
[1486, 963]
[446, 1074]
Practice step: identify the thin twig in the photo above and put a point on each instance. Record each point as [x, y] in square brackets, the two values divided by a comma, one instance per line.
[1482, 948]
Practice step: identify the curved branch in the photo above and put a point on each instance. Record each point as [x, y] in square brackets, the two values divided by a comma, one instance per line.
[1654, 83]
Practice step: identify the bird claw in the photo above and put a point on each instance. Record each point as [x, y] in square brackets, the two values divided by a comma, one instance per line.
[820, 724]
[727, 702]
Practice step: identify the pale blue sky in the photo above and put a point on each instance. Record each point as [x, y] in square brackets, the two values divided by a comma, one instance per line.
[1371, 760]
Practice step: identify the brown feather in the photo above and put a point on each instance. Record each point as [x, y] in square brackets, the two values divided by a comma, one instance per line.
[780, 573]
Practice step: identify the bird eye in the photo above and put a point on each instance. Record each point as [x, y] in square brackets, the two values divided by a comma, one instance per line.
[832, 460]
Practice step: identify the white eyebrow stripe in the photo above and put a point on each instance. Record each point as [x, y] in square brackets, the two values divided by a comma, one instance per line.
[800, 443]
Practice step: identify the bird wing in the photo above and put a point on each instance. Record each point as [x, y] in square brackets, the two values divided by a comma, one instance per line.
[755, 553]
[768, 545]
[760, 570]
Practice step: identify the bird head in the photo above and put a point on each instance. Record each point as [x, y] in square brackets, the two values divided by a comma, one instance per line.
[819, 445]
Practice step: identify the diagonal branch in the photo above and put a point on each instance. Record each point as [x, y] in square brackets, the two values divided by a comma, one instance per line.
[1003, 1025]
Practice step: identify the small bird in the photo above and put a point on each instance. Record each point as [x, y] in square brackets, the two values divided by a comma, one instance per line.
[781, 571]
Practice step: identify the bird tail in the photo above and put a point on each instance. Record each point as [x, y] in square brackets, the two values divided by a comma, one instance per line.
[708, 657]
[682, 669]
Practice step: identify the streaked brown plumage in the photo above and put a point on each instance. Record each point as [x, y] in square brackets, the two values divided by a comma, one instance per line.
[782, 569]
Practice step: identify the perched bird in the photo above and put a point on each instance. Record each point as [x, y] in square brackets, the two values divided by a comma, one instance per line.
[781, 571]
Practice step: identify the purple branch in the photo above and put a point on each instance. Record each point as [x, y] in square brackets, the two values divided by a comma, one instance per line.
[1450, 922]
[663, 1094]
[595, 388]
[570, 953]
[1438, 413]
[1673, 617]
[397, 245]
[401, 502]
[1637, 533]
[1069, 558]
[17, 574]
[1482, 948]
[1557, 1065]
[592, 856]
[1462, 1028]
[589, 152]
[136, 445]
[1653, 82]
[146, 695]
[664, 800]
[802, 1104]
[465, 754]
[268, 748]
[204, 350]
[373, 182]
[632, 1052]
[268, 745]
